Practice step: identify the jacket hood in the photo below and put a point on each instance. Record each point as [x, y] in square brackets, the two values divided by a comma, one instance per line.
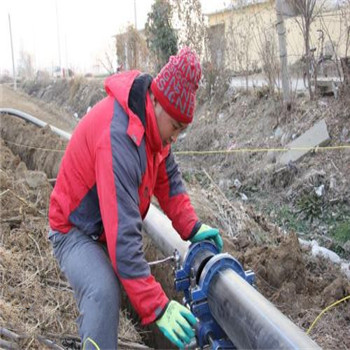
[119, 86]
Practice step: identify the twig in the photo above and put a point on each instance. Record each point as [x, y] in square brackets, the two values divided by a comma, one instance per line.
[124, 342]
[28, 279]
[131, 345]
[49, 343]
[8, 345]
[15, 220]
[22, 200]
[14, 336]
[218, 189]
[63, 336]
[37, 245]
[30, 343]
[336, 168]
[59, 284]
[9, 334]
[2, 193]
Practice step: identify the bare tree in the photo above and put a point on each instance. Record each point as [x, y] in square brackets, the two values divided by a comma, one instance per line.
[333, 47]
[108, 60]
[268, 54]
[132, 50]
[188, 18]
[267, 49]
[214, 59]
[345, 61]
[240, 37]
[308, 12]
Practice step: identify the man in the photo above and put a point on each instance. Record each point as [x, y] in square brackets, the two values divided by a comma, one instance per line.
[118, 157]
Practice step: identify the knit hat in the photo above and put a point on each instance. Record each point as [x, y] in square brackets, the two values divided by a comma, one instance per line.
[176, 84]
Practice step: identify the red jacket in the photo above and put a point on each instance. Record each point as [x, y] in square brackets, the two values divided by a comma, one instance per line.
[112, 166]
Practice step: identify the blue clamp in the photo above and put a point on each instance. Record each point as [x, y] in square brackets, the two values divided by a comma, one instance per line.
[183, 275]
[215, 264]
[208, 331]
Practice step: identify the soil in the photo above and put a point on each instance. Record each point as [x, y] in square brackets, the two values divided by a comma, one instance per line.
[50, 113]
[37, 299]
[36, 302]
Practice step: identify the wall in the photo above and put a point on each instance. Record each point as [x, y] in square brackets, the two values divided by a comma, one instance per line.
[251, 29]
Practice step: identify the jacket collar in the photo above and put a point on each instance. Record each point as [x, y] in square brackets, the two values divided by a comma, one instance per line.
[119, 87]
[152, 130]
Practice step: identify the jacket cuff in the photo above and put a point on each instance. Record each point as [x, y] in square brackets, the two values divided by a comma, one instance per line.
[195, 229]
[155, 314]
[162, 312]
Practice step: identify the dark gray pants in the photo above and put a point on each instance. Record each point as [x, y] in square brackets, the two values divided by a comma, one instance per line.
[89, 271]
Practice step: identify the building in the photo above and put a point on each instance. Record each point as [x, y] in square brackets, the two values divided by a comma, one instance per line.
[132, 51]
[243, 37]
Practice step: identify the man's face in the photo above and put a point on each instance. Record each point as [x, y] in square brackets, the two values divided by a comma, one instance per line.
[169, 128]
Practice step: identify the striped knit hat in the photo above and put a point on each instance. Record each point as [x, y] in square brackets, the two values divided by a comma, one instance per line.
[176, 84]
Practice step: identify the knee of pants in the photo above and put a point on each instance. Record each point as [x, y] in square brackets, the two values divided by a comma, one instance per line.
[106, 295]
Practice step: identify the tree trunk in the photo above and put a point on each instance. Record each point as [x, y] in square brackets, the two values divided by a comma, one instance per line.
[281, 31]
[308, 58]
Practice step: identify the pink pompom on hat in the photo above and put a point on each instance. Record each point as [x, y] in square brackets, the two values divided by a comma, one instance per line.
[176, 84]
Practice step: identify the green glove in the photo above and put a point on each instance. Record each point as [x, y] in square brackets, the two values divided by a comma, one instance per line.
[207, 232]
[177, 323]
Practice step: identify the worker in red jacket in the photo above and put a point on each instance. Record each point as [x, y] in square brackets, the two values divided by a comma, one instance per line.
[118, 157]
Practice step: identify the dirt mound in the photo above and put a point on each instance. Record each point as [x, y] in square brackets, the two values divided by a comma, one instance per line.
[301, 286]
[75, 95]
[39, 148]
[50, 113]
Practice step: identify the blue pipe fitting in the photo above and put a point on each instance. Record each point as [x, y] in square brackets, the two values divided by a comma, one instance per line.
[204, 249]
[216, 264]
[201, 264]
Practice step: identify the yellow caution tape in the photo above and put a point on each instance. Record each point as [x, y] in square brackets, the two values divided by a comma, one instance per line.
[254, 150]
[230, 151]
[33, 147]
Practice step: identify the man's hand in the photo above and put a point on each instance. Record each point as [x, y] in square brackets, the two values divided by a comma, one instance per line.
[177, 323]
[207, 232]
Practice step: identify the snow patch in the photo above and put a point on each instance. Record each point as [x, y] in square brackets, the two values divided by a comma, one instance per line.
[318, 251]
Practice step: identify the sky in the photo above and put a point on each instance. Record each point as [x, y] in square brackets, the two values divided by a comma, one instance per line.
[85, 28]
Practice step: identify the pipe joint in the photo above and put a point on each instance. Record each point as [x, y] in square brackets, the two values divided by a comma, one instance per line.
[197, 256]
[220, 262]
[201, 264]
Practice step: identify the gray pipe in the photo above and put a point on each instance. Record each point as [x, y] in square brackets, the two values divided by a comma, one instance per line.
[164, 236]
[36, 121]
[249, 320]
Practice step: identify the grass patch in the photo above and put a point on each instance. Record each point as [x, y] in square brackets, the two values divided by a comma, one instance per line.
[341, 232]
[286, 218]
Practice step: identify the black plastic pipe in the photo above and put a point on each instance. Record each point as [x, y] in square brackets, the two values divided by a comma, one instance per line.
[250, 320]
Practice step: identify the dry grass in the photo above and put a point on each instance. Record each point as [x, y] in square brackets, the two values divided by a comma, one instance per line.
[36, 301]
